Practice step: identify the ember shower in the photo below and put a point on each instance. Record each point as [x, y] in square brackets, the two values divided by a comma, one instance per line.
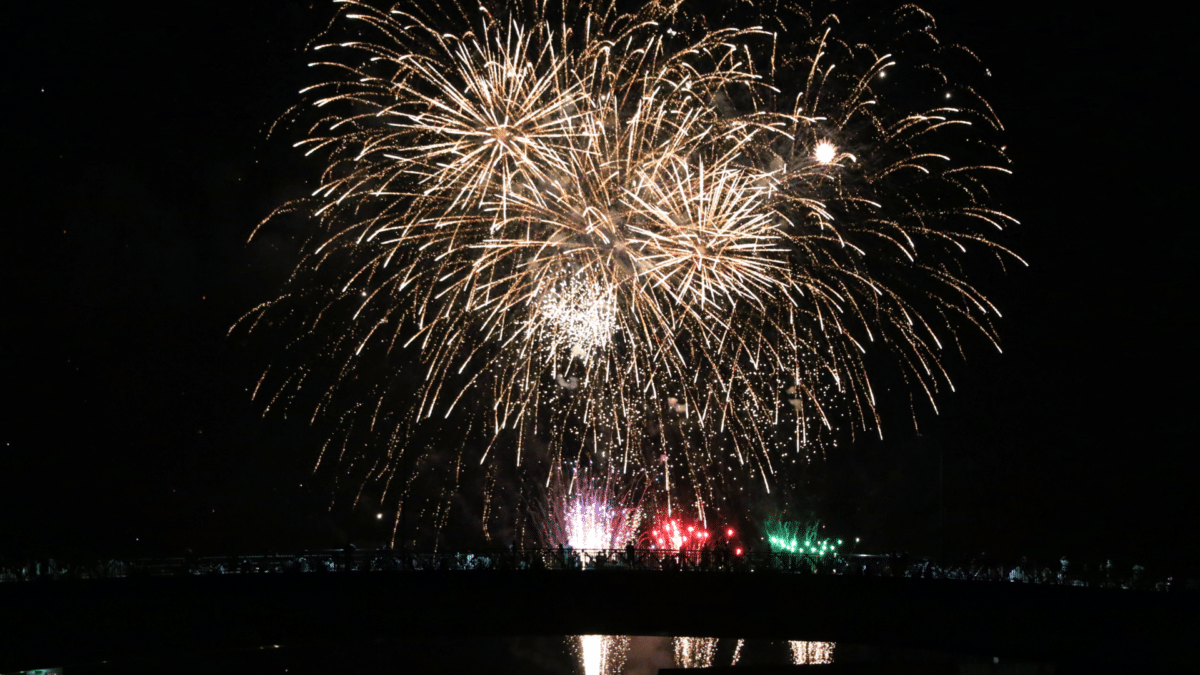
[654, 242]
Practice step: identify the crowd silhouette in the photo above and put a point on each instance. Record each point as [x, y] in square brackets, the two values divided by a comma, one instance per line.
[714, 559]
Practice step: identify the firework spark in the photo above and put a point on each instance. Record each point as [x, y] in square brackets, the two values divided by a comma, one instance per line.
[675, 533]
[564, 218]
[672, 535]
[587, 513]
[584, 314]
[791, 537]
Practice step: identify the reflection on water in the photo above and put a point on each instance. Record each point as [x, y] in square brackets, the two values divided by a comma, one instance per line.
[528, 655]
[809, 653]
[695, 652]
[603, 654]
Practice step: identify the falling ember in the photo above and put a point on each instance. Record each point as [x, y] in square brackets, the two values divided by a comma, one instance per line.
[811, 653]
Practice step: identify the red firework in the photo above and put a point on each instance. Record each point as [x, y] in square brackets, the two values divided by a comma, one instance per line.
[677, 533]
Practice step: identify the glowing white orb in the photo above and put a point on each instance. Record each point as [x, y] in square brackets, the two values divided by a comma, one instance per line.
[825, 152]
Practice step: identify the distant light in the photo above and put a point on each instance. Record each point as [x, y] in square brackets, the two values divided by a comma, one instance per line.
[729, 533]
[739, 551]
[378, 516]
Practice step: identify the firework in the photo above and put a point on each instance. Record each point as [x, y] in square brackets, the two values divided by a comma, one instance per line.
[620, 237]
[676, 533]
[791, 537]
[587, 512]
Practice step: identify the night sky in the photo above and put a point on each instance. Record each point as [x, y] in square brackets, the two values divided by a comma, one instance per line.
[138, 165]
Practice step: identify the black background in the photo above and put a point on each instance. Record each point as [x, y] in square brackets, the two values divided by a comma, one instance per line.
[137, 164]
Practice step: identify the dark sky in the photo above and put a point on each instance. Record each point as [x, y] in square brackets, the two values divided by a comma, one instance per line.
[138, 164]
